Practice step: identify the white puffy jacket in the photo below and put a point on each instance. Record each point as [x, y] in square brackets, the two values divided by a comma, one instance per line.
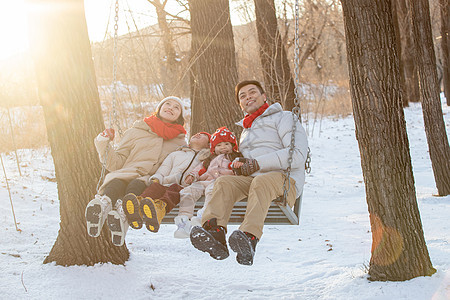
[178, 165]
[268, 141]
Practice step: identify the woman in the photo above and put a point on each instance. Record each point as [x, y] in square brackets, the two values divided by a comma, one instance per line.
[138, 155]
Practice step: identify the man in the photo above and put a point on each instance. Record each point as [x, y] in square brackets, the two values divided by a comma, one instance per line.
[265, 143]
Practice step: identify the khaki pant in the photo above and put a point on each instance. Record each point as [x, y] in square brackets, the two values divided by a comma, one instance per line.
[260, 191]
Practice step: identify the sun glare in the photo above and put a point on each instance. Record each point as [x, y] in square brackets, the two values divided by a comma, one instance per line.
[13, 21]
[13, 28]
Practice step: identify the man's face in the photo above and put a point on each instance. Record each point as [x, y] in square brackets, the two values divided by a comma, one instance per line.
[199, 140]
[250, 98]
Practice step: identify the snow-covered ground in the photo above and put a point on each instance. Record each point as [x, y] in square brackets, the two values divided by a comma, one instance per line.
[325, 257]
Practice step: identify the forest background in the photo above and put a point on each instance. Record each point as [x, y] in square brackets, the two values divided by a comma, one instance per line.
[143, 76]
[200, 59]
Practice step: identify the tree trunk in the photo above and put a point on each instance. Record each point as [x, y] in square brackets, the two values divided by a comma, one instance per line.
[429, 95]
[445, 42]
[398, 47]
[69, 97]
[399, 251]
[279, 84]
[169, 64]
[407, 53]
[213, 67]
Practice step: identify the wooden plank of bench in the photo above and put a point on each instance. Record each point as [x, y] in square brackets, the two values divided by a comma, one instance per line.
[278, 214]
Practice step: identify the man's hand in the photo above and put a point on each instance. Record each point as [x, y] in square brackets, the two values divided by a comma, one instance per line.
[189, 179]
[245, 166]
[108, 133]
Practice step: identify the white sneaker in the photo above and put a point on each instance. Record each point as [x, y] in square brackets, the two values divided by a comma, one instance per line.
[95, 213]
[184, 227]
[196, 221]
[200, 212]
[118, 224]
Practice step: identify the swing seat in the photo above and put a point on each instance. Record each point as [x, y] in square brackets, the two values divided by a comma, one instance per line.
[278, 214]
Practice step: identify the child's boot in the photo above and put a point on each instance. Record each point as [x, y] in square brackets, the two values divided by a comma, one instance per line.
[244, 244]
[117, 224]
[95, 213]
[183, 227]
[211, 239]
[131, 207]
[153, 211]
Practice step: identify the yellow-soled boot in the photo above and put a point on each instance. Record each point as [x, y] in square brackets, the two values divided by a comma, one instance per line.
[153, 211]
[131, 207]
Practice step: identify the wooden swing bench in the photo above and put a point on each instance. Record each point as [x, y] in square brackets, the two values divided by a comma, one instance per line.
[278, 213]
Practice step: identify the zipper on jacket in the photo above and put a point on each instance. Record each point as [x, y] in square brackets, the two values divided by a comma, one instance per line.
[192, 160]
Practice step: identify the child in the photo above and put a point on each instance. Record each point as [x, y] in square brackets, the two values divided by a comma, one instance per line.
[139, 153]
[224, 150]
[162, 194]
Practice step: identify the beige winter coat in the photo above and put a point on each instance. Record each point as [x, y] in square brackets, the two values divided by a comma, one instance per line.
[138, 155]
[178, 165]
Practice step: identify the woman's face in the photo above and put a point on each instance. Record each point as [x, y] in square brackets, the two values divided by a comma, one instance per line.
[170, 111]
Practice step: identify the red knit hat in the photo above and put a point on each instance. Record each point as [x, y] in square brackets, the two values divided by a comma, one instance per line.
[223, 134]
[206, 133]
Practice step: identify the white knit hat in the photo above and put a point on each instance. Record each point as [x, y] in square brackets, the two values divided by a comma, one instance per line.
[183, 111]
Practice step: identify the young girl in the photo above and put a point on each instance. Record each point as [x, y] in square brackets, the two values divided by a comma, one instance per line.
[162, 194]
[224, 150]
[138, 155]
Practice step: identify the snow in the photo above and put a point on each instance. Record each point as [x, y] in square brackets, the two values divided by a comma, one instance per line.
[325, 257]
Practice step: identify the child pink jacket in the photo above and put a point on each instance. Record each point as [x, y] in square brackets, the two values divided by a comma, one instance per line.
[219, 166]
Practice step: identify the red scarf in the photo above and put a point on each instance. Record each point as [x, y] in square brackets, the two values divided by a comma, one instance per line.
[248, 119]
[163, 129]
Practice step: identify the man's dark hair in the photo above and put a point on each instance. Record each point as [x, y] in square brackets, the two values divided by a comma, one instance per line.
[241, 84]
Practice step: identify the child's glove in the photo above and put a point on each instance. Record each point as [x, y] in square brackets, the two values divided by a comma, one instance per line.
[108, 133]
[189, 179]
[248, 167]
[152, 180]
[202, 171]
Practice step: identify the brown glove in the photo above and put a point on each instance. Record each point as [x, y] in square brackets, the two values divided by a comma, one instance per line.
[249, 167]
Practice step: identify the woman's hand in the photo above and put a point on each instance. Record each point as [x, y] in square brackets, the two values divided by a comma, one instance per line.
[189, 179]
[108, 133]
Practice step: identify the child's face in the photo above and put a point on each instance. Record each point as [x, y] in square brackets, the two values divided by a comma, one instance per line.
[199, 140]
[223, 148]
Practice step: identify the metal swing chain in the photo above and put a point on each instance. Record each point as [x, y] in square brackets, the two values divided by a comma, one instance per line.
[296, 110]
[113, 120]
[296, 113]
[114, 92]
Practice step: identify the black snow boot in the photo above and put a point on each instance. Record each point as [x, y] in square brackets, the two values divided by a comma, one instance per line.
[211, 239]
[244, 244]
